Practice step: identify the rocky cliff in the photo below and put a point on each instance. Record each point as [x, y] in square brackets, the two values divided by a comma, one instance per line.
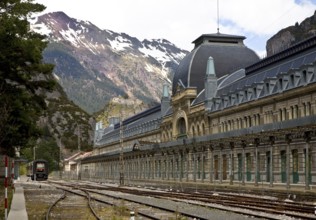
[291, 35]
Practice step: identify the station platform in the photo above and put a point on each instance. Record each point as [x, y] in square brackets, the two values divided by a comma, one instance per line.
[18, 209]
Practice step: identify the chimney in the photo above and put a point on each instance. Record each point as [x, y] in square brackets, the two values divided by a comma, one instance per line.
[210, 83]
[165, 100]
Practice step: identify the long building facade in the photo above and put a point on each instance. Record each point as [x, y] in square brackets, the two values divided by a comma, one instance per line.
[229, 118]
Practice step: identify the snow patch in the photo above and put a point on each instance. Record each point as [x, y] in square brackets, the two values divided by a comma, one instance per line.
[157, 54]
[71, 36]
[120, 43]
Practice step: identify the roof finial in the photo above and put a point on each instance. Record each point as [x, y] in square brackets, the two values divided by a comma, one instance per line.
[217, 17]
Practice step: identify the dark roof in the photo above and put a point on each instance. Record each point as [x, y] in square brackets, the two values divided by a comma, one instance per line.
[140, 115]
[283, 65]
[283, 55]
[219, 38]
[229, 54]
[134, 121]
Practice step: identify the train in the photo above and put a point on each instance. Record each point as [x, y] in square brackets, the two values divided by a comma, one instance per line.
[38, 170]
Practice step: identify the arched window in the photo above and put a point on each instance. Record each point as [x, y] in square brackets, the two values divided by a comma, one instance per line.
[182, 130]
[193, 131]
[258, 119]
[245, 122]
[249, 121]
[284, 114]
[307, 108]
[203, 129]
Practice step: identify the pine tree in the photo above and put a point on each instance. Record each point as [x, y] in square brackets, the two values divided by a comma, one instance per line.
[24, 78]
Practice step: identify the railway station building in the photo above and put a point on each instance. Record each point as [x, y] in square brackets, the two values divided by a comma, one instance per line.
[229, 118]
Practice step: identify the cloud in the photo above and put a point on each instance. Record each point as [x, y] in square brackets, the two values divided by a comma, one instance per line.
[266, 17]
[182, 21]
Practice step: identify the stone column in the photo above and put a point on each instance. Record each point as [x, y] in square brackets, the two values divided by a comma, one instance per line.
[147, 168]
[194, 162]
[272, 140]
[203, 165]
[307, 137]
[163, 168]
[188, 158]
[288, 139]
[174, 167]
[180, 166]
[243, 145]
[211, 173]
[133, 167]
[141, 166]
[256, 143]
[221, 146]
[168, 166]
[231, 168]
[189, 162]
[153, 166]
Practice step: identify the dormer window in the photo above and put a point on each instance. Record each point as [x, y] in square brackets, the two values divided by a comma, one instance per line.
[304, 75]
[281, 84]
[267, 88]
[291, 83]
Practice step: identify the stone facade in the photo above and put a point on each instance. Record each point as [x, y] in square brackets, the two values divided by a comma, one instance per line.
[256, 126]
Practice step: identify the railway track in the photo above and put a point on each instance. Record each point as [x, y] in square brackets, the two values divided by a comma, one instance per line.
[273, 206]
[67, 206]
[142, 209]
[151, 207]
[269, 208]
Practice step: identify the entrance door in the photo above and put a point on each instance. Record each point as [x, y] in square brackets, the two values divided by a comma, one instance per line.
[216, 167]
[283, 166]
[295, 166]
[258, 167]
[239, 167]
[204, 168]
[309, 166]
[224, 167]
[248, 166]
[198, 168]
[268, 158]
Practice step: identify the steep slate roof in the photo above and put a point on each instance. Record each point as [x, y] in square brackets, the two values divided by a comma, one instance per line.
[229, 54]
[301, 54]
[133, 124]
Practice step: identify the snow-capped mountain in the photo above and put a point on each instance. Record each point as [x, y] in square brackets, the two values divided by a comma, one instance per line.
[95, 65]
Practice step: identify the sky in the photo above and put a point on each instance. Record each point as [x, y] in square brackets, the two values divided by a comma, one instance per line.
[182, 21]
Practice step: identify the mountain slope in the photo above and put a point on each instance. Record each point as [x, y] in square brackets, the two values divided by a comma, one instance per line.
[94, 66]
[291, 35]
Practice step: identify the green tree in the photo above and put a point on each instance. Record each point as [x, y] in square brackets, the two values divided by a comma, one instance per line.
[24, 78]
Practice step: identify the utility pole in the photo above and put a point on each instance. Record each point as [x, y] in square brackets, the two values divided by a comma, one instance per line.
[121, 151]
